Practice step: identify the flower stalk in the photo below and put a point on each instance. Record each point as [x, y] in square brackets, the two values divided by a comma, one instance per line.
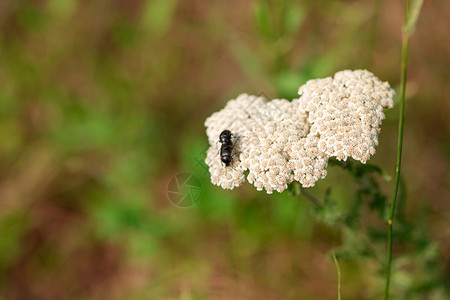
[410, 19]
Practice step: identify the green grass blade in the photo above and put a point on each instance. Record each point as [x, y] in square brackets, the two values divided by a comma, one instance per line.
[413, 16]
[338, 274]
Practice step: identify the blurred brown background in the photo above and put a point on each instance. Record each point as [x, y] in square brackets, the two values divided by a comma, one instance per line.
[102, 103]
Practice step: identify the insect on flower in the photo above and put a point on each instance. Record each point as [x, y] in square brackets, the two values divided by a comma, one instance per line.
[285, 141]
[227, 147]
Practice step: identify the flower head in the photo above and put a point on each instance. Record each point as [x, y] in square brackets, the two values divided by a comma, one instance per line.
[346, 112]
[280, 141]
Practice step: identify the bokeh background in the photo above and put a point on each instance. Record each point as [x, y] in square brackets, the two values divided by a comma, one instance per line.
[102, 103]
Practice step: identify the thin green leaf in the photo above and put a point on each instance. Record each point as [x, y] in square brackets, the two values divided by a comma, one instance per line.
[293, 18]
[263, 19]
[413, 16]
[333, 255]
[373, 168]
[157, 15]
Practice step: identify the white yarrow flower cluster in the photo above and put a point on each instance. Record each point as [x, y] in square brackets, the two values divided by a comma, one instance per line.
[280, 141]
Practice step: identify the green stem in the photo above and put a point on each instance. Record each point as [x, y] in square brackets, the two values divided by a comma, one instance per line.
[338, 275]
[399, 156]
[310, 197]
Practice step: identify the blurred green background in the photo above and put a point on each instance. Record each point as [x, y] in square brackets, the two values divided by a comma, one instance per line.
[102, 103]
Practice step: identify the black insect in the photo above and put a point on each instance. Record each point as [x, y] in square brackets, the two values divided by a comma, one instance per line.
[225, 137]
[227, 147]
